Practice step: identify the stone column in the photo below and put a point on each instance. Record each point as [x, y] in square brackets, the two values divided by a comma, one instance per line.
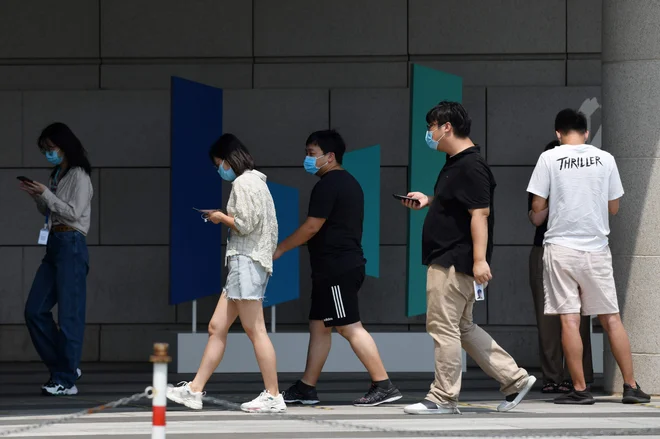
[631, 132]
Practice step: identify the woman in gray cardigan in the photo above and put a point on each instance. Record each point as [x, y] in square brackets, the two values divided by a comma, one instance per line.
[62, 277]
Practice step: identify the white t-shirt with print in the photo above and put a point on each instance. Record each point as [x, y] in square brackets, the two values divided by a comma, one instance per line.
[578, 181]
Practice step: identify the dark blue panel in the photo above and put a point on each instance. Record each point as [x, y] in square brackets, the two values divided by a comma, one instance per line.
[195, 246]
[285, 283]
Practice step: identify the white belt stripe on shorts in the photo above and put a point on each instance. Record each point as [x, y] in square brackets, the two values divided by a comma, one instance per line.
[339, 304]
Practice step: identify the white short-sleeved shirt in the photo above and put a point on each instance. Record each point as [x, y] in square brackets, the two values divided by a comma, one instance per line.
[578, 181]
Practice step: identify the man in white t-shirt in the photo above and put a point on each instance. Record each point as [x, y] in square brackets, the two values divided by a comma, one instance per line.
[583, 185]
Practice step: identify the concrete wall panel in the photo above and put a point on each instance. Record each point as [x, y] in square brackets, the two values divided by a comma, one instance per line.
[134, 217]
[512, 226]
[331, 75]
[498, 73]
[341, 27]
[584, 72]
[12, 294]
[11, 118]
[46, 29]
[170, 28]
[17, 345]
[129, 284]
[118, 128]
[134, 343]
[497, 26]
[274, 124]
[366, 117]
[510, 294]
[584, 28]
[521, 120]
[158, 76]
[49, 77]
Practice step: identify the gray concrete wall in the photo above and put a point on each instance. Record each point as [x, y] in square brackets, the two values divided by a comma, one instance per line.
[289, 67]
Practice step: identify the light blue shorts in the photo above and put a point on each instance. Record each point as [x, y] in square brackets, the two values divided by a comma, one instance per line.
[246, 280]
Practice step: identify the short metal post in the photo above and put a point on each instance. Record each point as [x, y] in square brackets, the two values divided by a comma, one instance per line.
[159, 405]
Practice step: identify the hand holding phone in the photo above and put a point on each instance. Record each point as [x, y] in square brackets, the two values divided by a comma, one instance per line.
[404, 197]
[24, 179]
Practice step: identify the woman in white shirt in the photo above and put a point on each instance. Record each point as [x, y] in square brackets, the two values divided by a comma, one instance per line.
[250, 246]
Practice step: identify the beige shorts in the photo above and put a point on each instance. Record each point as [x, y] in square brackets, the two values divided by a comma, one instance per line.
[576, 282]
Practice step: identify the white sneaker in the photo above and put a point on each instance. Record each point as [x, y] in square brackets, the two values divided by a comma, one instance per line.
[513, 400]
[53, 389]
[183, 395]
[265, 403]
[427, 407]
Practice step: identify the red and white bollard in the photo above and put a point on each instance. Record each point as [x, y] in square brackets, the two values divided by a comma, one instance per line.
[160, 360]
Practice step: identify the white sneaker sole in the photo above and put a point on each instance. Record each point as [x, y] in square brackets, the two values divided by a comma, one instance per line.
[188, 403]
[455, 411]
[391, 399]
[506, 406]
[264, 410]
[67, 392]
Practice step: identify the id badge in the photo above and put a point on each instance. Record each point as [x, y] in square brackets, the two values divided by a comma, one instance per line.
[479, 291]
[43, 236]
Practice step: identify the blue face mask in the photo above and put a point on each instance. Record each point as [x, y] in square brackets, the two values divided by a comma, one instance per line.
[227, 175]
[53, 158]
[310, 164]
[433, 144]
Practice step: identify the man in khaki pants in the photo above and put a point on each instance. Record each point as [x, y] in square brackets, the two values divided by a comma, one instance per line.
[457, 243]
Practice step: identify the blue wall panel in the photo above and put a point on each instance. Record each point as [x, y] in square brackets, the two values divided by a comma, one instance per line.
[284, 285]
[195, 246]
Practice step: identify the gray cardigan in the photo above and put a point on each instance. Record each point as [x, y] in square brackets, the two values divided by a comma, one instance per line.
[71, 205]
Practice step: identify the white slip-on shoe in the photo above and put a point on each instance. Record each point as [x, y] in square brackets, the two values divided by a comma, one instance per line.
[514, 399]
[427, 407]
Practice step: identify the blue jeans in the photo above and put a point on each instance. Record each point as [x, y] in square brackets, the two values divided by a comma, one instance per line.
[62, 280]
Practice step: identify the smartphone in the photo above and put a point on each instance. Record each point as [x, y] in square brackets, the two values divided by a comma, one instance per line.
[403, 197]
[24, 179]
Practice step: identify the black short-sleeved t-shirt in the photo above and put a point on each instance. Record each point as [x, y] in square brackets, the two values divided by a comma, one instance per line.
[465, 182]
[540, 230]
[337, 247]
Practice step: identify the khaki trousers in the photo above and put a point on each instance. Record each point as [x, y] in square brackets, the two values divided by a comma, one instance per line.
[549, 329]
[450, 300]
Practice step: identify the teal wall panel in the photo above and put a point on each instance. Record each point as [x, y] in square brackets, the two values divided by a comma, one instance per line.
[364, 165]
[428, 87]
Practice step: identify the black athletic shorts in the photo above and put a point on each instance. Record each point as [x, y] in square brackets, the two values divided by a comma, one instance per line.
[335, 299]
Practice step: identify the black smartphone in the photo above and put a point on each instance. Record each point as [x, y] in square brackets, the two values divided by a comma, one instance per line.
[403, 197]
[24, 179]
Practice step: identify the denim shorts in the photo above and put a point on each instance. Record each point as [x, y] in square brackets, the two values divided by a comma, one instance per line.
[246, 280]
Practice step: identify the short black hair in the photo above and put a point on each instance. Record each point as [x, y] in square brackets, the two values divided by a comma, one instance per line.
[551, 145]
[452, 112]
[232, 150]
[328, 141]
[60, 135]
[568, 120]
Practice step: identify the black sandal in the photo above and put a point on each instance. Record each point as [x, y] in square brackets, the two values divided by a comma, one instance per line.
[549, 387]
[565, 387]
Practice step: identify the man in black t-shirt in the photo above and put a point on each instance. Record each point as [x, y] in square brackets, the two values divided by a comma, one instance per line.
[457, 243]
[333, 231]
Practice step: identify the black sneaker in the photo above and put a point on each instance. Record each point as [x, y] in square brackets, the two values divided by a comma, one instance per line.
[294, 395]
[377, 396]
[634, 395]
[576, 397]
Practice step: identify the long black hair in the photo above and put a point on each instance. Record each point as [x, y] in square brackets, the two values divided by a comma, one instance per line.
[61, 136]
[229, 148]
